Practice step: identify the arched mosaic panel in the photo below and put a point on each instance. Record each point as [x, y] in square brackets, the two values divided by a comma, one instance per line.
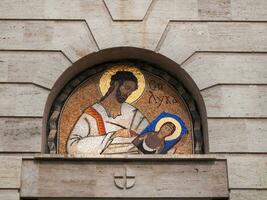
[124, 108]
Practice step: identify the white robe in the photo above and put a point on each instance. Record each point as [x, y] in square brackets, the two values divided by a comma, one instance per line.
[85, 139]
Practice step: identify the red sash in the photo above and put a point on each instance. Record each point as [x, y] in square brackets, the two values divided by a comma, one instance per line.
[99, 120]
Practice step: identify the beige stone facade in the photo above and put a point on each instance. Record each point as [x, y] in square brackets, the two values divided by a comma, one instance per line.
[220, 45]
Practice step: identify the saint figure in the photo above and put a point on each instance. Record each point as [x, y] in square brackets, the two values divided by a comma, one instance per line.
[109, 125]
[153, 142]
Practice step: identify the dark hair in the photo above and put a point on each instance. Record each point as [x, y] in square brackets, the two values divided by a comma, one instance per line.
[171, 124]
[120, 76]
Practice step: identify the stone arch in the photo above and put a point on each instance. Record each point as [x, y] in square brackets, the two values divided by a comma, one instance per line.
[160, 64]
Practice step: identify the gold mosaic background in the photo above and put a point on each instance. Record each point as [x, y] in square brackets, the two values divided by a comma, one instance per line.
[89, 93]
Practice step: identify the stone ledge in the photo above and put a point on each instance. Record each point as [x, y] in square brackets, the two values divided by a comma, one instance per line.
[125, 157]
[104, 178]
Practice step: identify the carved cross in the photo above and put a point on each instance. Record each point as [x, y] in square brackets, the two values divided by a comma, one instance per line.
[125, 179]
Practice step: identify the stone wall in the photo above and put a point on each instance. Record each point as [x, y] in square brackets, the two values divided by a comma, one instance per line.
[221, 44]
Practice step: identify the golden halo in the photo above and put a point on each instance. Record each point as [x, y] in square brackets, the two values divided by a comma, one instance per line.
[104, 82]
[177, 131]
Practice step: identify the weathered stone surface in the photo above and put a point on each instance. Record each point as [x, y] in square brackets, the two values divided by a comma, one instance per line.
[48, 35]
[22, 100]
[128, 9]
[107, 34]
[83, 179]
[249, 10]
[44, 9]
[236, 101]
[185, 38]
[210, 9]
[215, 9]
[41, 68]
[247, 171]
[9, 194]
[169, 9]
[20, 134]
[248, 194]
[10, 172]
[237, 135]
[145, 34]
[209, 69]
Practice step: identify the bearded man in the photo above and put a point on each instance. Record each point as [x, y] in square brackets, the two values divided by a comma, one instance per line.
[109, 126]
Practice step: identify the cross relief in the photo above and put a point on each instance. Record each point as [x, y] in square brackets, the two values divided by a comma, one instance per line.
[124, 179]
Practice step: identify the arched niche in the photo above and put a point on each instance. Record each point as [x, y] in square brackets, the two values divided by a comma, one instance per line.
[148, 62]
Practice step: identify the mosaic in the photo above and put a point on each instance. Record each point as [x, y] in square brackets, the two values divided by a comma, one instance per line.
[125, 110]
